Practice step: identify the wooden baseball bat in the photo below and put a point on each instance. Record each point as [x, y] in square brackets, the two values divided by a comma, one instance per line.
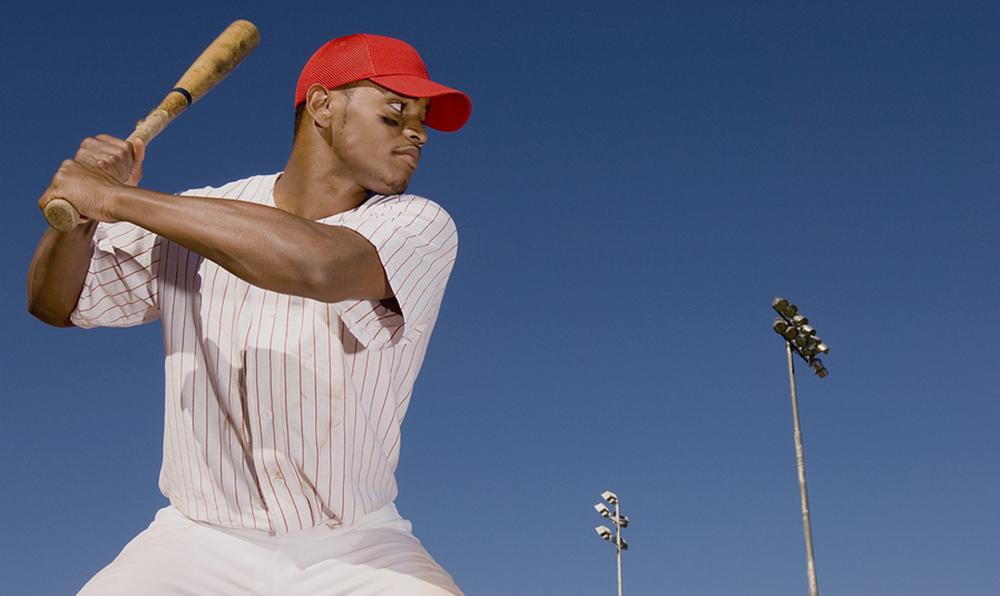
[218, 60]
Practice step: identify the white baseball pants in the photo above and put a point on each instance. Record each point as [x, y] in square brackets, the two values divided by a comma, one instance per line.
[176, 555]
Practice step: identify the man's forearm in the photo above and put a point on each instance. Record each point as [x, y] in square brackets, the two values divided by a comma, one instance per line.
[264, 246]
[57, 273]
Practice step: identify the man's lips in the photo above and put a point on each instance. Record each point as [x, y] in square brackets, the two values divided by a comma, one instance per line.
[411, 155]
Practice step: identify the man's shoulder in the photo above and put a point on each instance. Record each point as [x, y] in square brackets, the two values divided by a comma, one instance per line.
[390, 217]
[402, 205]
[249, 188]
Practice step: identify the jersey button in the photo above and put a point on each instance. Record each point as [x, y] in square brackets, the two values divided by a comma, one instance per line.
[269, 310]
[266, 414]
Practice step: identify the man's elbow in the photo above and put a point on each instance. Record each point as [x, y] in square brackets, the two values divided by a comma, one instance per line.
[48, 317]
[352, 279]
[325, 286]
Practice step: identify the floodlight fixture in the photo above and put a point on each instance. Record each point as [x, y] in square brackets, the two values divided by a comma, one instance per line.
[780, 325]
[603, 510]
[801, 337]
[784, 328]
[604, 532]
[622, 521]
[817, 365]
[784, 307]
[610, 497]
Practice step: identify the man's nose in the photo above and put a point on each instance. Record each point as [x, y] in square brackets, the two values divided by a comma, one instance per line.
[417, 133]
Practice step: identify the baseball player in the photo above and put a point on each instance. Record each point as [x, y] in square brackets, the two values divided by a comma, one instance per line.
[296, 311]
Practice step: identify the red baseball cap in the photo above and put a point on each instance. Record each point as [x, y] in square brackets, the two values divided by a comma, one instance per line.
[388, 62]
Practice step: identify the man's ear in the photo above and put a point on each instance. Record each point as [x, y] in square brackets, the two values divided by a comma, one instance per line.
[318, 104]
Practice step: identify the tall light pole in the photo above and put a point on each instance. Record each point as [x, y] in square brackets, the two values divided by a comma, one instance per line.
[801, 338]
[620, 522]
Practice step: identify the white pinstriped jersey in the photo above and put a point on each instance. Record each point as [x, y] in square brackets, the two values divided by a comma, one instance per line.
[282, 412]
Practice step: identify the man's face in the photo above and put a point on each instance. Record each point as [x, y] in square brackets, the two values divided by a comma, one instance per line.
[379, 136]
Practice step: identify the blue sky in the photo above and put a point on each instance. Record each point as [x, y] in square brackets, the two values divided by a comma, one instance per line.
[635, 184]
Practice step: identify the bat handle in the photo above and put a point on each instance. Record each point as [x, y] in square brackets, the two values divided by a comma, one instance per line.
[61, 215]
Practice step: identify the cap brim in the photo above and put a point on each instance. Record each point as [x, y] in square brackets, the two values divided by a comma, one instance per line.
[449, 108]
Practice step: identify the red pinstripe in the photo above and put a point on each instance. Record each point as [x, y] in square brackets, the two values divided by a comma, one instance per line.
[189, 481]
[260, 424]
[132, 258]
[228, 414]
[234, 326]
[188, 280]
[127, 289]
[274, 430]
[367, 466]
[208, 378]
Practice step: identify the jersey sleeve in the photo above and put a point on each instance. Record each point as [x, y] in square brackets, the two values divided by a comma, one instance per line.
[417, 243]
[122, 286]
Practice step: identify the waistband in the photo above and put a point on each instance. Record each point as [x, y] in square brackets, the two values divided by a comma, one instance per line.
[384, 517]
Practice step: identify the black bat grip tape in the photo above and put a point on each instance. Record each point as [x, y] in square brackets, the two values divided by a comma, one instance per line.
[185, 93]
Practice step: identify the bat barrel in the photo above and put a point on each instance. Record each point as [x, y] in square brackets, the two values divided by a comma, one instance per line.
[219, 59]
[223, 55]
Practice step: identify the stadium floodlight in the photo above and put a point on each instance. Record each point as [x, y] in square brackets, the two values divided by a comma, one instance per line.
[800, 337]
[817, 365]
[620, 521]
[784, 307]
[784, 329]
[794, 327]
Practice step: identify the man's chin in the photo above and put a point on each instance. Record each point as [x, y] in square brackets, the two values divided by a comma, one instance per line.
[393, 187]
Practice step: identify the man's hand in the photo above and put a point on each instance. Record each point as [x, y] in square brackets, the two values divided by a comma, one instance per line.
[88, 182]
[119, 159]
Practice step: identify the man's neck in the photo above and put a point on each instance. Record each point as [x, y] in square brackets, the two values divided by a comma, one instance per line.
[310, 186]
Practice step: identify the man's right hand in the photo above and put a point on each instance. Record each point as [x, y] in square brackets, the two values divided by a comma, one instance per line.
[116, 157]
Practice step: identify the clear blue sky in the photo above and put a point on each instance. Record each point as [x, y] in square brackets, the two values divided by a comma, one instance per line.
[635, 184]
